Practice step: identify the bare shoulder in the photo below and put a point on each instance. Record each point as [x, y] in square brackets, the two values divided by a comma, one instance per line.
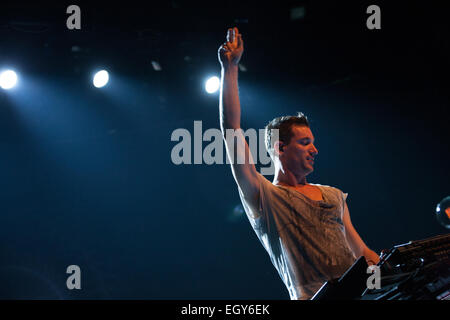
[327, 187]
[333, 192]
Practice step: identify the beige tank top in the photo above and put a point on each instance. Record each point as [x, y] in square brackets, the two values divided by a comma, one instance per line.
[304, 238]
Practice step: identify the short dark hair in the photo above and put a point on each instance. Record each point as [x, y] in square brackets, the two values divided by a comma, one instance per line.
[284, 125]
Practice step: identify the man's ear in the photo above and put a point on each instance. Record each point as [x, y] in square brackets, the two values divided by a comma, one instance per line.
[278, 147]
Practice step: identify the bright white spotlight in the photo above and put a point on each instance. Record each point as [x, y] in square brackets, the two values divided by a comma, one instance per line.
[8, 79]
[101, 78]
[212, 84]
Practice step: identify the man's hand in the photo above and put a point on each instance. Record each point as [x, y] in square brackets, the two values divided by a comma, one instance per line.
[231, 51]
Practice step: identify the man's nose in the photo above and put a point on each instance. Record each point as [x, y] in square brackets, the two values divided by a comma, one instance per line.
[314, 150]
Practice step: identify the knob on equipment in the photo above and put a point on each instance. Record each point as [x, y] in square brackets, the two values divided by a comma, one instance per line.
[443, 212]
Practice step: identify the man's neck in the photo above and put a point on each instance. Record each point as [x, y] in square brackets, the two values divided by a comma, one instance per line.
[288, 178]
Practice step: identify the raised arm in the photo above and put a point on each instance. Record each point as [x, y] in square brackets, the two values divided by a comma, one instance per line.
[238, 153]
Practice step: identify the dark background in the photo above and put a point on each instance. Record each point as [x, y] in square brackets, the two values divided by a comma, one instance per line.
[86, 176]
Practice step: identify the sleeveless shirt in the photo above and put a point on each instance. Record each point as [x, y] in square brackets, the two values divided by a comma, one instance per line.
[304, 238]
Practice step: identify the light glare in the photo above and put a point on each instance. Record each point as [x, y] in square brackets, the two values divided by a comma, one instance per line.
[8, 79]
[212, 85]
[101, 78]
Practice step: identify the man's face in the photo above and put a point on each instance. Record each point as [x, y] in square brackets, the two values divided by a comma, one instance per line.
[298, 155]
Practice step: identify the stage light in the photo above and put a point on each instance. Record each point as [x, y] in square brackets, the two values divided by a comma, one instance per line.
[212, 85]
[156, 66]
[8, 79]
[101, 78]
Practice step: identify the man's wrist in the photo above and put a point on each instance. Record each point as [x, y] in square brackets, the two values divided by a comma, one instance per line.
[231, 68]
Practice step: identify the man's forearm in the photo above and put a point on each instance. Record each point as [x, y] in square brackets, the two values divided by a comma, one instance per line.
[230, 107]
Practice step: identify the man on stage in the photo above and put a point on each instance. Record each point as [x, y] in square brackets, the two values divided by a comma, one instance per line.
[304, 227]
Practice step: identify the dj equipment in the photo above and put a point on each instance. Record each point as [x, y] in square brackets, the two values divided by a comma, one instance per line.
[417, 270]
